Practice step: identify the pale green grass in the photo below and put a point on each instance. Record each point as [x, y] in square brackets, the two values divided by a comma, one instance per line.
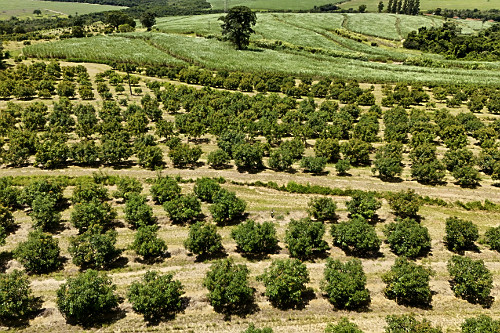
[25, 8]
[272, 5]
[102, 49]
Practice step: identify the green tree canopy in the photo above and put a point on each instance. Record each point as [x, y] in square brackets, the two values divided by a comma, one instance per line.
[237, 26]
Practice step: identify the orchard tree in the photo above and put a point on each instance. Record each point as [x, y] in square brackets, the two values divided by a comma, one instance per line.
[285, 282]
[148, 19]
[408, 283]
[313, 164]
[388, 161]
[363, 204]
[304, 238]
[206, 188]
[165, 189]
[137, 212]
[88, 191]
[203, 239]
[86, 297]
[460, 234]
[92, 213]
[322, 209]
[226, 207]
[255, 238]
[405, 203]
[228, 289]
[345, 284]
[147, 244]
[480, 324]
[408, 323]
[39, 254]
[127, 186]
[237, 26]
[492, 238]
[408, 238]
[16, 297]
[94, 248]
[156, 296]
[184, 208]
[343, 326]
[7, 223]
[218, 159]
[356, 236]
[471, 280]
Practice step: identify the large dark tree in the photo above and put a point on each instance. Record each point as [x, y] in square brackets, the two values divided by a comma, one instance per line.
[237, 26]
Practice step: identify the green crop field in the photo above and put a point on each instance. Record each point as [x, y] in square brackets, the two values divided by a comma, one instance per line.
[297, 44]
[272, 5]
[371, 5]
[25, 8]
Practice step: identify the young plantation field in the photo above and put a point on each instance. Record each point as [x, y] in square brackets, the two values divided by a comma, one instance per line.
[25, 8]
[298, 44]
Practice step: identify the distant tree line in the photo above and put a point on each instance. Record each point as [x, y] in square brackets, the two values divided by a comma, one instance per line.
[490, 14]
[407, 7]
[448, 40]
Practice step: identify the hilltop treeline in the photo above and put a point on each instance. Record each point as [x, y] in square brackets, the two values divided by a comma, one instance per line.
[448, 41]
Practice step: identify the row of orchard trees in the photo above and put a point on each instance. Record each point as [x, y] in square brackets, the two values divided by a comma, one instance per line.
[229, 291]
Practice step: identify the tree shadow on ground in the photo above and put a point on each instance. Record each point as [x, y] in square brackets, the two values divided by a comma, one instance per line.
[101, 320]
[155, 321]
[24, 321]
[5, 257]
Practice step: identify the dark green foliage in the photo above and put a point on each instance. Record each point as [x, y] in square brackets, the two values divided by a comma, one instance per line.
[405, 203]
[408, 324]
[237, 26]
[203, 239]
[471, 280]
[492, 236]
[228, 289]
[408, 238]
[9, 194]
[156, 296]
[34, 116]
[115, 149]
[328, 148]
[86, 297]
[183, 155]
[51, 151]
[248, 156]
[165, 189]
[252, 329]
[460, 234]
[92, 213]
[356, 151]
[280, 159]
[343, 326]
[21, 146]
[466, 176]
[150, 157]
[147, 244]
[6, 223]
[16, 297]
[255, 238]
[345, 284]
[226, 207]
[43, 187]
[229, 140]
[206, 188]
[408, 283]
[184, 208]
[127, 186]
[94, 248]
[218, 158]
[295, 148]
[322, 209]
[304, 238]
[396, 125]
[480, 324]
[39, 254]
[313, 164]
[356, 236]
[285, 282]
[89, 191]
[426, 168]
[363, 204]
[137, 212]
[388, 161]
[84, 152]
[367, 128]
[342, 166]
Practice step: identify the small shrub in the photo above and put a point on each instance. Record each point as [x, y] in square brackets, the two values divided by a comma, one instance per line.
[285, 282]
[345, 284]
[16, 297]
[408, 283]
[408, 323]
[492, 236]
[313, 164]
[255, 238]
[460, 234]
[86, 297]
[343, 326]
[363, 204]
[342, 166]
[156, 296]
[480, 324]
[252, 329]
